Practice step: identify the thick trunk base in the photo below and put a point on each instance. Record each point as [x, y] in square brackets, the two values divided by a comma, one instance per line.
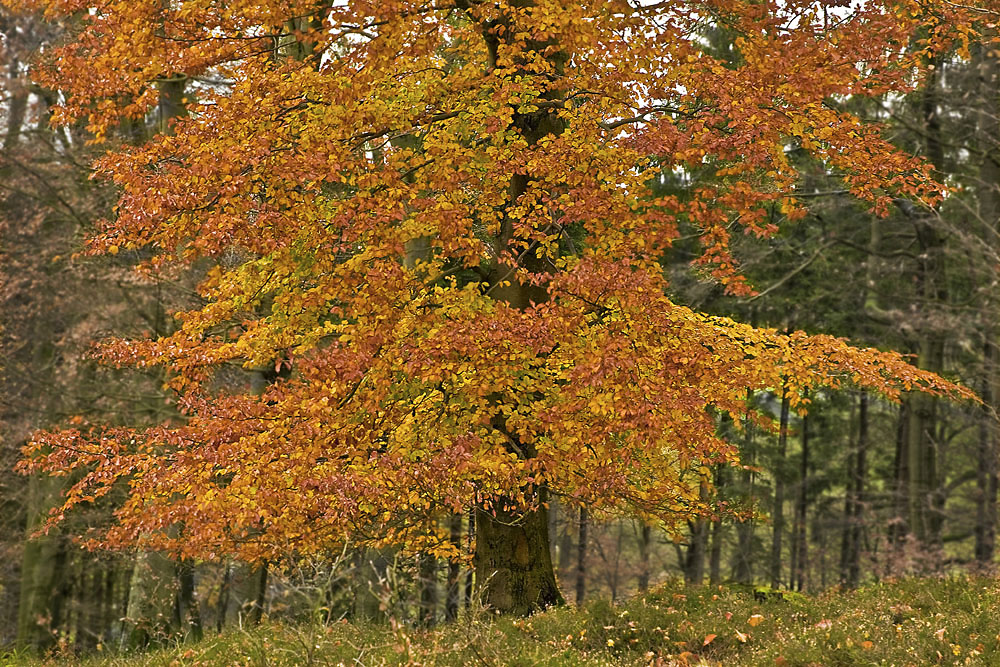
[513, 566]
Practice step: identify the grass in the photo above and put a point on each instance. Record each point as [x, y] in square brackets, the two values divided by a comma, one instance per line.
[947, 621]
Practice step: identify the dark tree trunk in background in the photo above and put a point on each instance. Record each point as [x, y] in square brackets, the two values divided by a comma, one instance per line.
[454, 568]
[427, 570]
[924, 516]
[188, 612]
[799, 533]
[645, 542]
[581, 557]
[778, 511]
[470, 548]
[743, 568]
[987, 61]
[859, 481]
[260, 598]
[986, 472]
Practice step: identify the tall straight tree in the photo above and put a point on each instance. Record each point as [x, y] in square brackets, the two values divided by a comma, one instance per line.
[532, 347]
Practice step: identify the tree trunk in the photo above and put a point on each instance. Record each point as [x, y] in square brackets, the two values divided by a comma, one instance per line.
[778, 512]
[40, 576]
[513, 563]
[514, 571]
[454, 568]
[694, 560]
[989, 212]
[858, 479]
[800, 546]
[151, 600]
[743, 568]
[581, 558]
[924, 517]
[369, 579]
[427, 571]
[470, 577]
[188, 611]
[645, 535]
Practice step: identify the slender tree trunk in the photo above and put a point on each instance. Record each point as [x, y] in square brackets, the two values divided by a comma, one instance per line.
[715, 555]
[694, 561]
[743, 569]
[454, 568]
[470, 537]
[715, 551]
[188, 611]
[427, 570]
[986, 472]
[800, 547]
[897, 525]
[924, 518]
[989, 211]
[581, 558]
[645, 539]
[17, 103]
[224, 594]
[259, 578]
[858, 481]
[778, 511]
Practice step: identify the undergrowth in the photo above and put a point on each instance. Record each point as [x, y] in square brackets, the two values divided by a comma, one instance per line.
[948, 621]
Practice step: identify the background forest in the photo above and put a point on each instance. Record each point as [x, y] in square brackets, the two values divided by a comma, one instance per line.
[857, 489]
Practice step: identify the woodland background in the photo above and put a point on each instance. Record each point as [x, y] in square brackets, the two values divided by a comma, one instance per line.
[858, 490]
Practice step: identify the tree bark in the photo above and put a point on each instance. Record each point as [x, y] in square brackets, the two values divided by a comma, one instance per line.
[454, 568]
[513, 566]
[645, 542]
[858, 479]
[694, 562]
[427, 571]
[778, 512]
[989, 211]
[800, 547]
[513, 563]
[581, 558]
[743, 568]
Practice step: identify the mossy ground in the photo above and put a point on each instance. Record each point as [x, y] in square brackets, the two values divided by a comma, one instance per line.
[947, 621]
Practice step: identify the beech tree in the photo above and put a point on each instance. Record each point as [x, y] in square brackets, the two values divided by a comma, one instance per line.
[439, 220]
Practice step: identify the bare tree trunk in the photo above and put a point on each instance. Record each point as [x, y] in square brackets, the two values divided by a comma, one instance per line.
[188, 613]
[799, 533]
[743, 569]
[645, 538]
[581, 558]
[427, 571]
[989, 212]
[454, 568]
[778, 511]
[715, 552]
[470, 537]
[858, 479]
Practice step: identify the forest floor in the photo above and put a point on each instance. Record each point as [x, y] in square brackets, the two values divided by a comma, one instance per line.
[946, 621]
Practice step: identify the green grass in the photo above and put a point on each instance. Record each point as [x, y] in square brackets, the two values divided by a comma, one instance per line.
[952, 621]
